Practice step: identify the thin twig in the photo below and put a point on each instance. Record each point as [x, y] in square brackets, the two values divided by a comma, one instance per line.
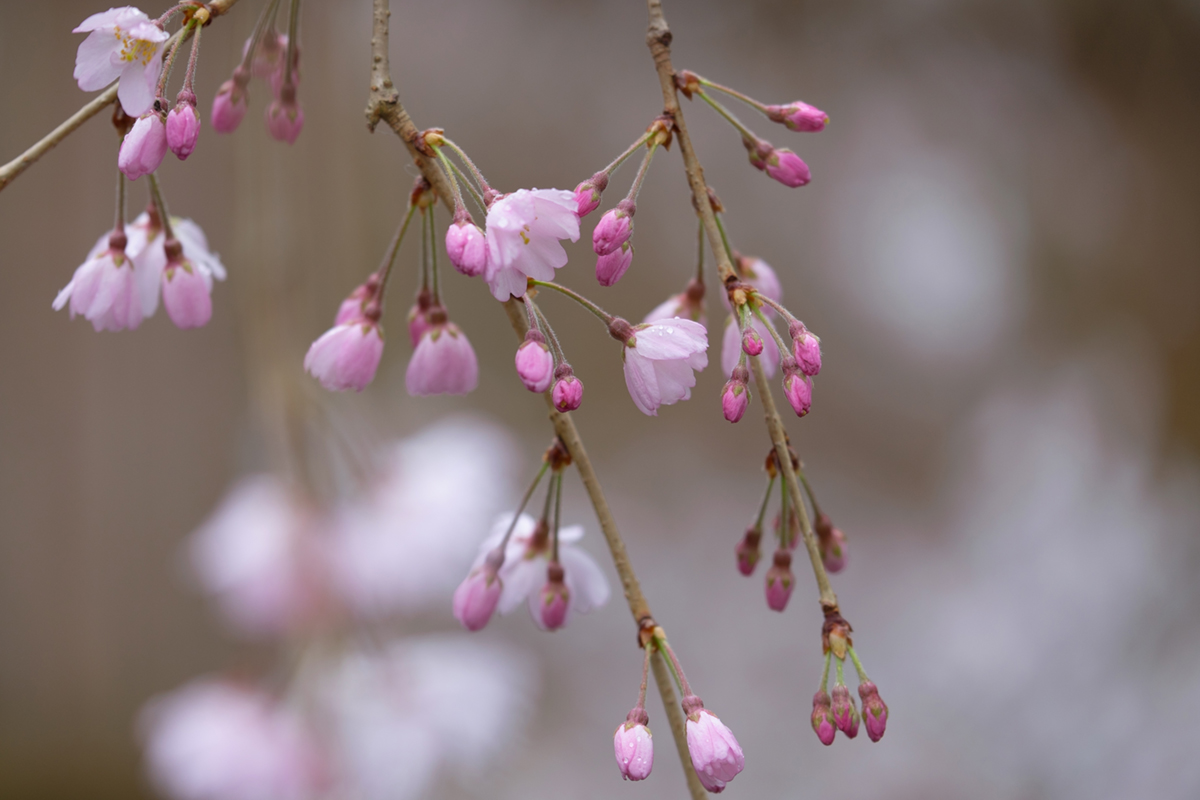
[383, 103]
[93, 107]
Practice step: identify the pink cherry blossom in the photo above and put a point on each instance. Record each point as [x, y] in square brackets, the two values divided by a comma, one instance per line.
[568, 390]
[524, 229]
[844, 712]
[105, 291]
[476, 598]
[258, 556]
[731, 347]
[122, 44]
[735, 398]
[186, 294]
[149, 250]
[183, 126]
[613, 229]
[634, 749]
[525, 562]
[535, 364]
[823, 723]
[806, 348]
[788, 168]
[610, 268]
[418, 321]
[144, 147]
[230, 103]
[587, 194]
[716, 755]
[797, 387]
[780, 581]
[443, 362]
[660, 361]
[467, 247]
[285, 117]
[346, 356]
[874, 710]
[217, 740]
[752, 341]
[799, 116]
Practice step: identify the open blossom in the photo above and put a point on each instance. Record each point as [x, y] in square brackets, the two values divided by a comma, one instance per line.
[106, 288]
[660, 362]
[525, 561]
[144, 147]
[186, 294]
[442, 363]
[731, 346]
[716, 755]
[634, 748]
[524, 229]
[688, 304]
[122, 44]
[257, 554]
[346, 356]
[217, 740]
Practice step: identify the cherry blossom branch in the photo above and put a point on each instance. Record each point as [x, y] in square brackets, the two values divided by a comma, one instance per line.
[658, 38]
[12, 169]
[383, 104]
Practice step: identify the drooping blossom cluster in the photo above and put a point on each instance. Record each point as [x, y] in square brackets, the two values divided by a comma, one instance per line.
[836, 711]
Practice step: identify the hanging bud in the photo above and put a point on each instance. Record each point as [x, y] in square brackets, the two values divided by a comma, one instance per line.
[183, 126]
[285, 117]
[418, 317]
[610, 268]
[467, 246]
[735, 398]
[716, 755]
[759, 150]
[354, 304]
[231, 102]
[822, 718]
[476, 598]
[555, 599]
[748, 551]
[788, 168]
[780, 581]
[614, 228]
[144, 147]
[799, 116]
[806, 348]
[832, 543]
[797, 388]
[568, 390]
[844, 712]
[634, 747]
[874, 710]
[186, 291]
[752, 342]
[535, 364]
[587, 194]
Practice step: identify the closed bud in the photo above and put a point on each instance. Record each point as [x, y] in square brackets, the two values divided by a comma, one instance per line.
[535, 364]
[467, 247]
[832, 543]
[476, 598]
[874, 710]
[555, 599]
[183, 126]
[144, 147]
[844, 712]
[610, 268]
[798, 390]
[587, 194]
[735, 398]
[799, 116]
[230, 103]
[788, 168]
[285, 117]
[716, 755]
[748, 551]
[634, 746]
[780, 581]
[822, 718]
[752, 342]
[568, 390]
[613, 229]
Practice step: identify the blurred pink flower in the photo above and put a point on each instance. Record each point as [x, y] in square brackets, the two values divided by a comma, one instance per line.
[346, 356]
[442, 363]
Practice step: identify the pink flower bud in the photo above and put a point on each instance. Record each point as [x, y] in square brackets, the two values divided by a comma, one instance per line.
[611, 267]
[535, 364]
[418, 317]
[555, 599]
[443, 362]
[806, 348]
[467, 248]
[716, 755]
[799, 116]
[285, 118]
[788, 168]
[183, 126]
[346, 356]
[613, 229]
[752, 343]
[874, 710]
[354, 306]
[735, 398]
[798, 390]
[476, 598]
[144, 147]
[633, 746]
[758, 151]
[587, 194]
[748, 552]
[568, 390]
[822, 718]
[780, 581]
[230, 104]
[844, 712]
[832, 543]
[186, 295]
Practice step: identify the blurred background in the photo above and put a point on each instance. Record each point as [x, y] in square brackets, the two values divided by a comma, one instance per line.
[1000, 252]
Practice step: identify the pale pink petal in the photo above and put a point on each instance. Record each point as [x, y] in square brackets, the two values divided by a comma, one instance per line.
[642, 382]
[94, 67]
[584, 578]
